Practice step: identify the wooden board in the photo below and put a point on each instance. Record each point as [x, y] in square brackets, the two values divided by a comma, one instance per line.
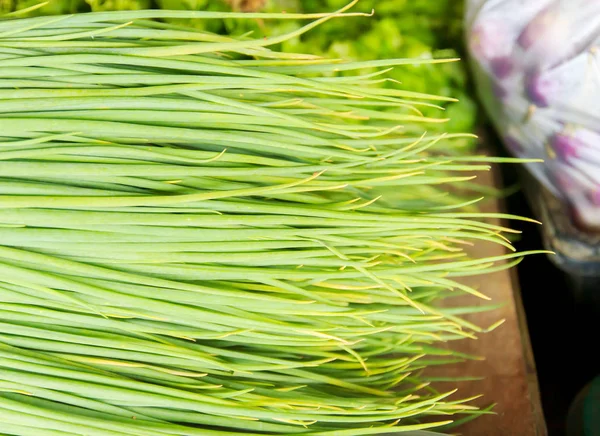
[509, 373]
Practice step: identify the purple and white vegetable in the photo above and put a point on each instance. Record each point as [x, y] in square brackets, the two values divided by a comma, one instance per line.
[537, 68]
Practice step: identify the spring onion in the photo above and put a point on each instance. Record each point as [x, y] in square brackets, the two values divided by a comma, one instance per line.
[204, 236]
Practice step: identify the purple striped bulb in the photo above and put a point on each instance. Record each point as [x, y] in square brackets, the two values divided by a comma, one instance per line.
[595, 196]
[537, 67]
[566, 146]
[538, 27]
[488, 40]
[502, 66]
[538, 89]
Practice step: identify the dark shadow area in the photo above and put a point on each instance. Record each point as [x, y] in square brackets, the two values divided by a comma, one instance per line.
[561, 326]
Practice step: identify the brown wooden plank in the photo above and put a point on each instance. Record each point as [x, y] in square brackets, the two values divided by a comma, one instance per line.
[508, 371]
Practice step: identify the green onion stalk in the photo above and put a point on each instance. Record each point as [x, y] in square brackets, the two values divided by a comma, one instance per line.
[401, 28]
[204, 236]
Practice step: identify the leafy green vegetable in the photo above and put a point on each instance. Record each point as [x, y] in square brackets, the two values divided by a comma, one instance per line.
[204, 236]
[400, 28]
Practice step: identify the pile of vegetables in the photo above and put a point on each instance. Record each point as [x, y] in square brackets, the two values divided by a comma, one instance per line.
[400, 28]
[203, 236]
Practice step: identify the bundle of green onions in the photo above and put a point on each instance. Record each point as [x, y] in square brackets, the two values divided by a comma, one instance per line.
[201, 236]
[400, 28]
